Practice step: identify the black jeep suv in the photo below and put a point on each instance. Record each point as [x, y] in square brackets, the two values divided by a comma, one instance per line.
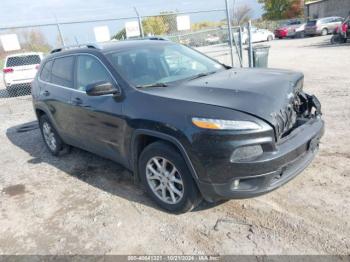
[187, 126]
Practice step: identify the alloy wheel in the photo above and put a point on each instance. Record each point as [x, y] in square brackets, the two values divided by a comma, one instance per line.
[49, 136]
[165, 180]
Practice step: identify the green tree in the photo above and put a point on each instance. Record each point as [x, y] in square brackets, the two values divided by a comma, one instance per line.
[170, 19]
[206, 25]
[121, 35]
[163, 24]
[155, 25]
[282, 9]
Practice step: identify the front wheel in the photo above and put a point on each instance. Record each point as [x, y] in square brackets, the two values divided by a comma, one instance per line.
[167, 179]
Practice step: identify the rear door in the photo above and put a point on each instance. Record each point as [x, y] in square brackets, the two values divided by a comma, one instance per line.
[330, 24]
[98, 119]
[56, 82]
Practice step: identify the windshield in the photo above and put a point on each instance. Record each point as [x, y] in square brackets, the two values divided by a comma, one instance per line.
[161, 64]
[293, 23]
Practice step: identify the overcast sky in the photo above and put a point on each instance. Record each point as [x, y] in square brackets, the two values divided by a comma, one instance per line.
[41, 11]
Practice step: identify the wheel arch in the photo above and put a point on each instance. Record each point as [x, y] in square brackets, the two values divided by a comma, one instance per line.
[143, 137]
[40, 111]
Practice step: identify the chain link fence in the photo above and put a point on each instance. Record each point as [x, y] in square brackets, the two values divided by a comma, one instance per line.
[205, 30]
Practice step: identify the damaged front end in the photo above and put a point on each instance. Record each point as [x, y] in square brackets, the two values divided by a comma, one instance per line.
[300, 109]
[307, 106]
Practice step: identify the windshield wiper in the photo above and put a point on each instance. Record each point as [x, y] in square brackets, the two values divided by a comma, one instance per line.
[153, 85]
[202, 75]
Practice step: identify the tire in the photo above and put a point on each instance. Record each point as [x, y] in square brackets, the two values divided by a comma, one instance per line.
[335, 39]
[300, 34]
[269, 38]
[324, 32]
[159, 184]
[12, 92]
[51, 138]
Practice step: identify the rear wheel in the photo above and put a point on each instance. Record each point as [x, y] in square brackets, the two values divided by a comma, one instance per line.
[51, 138]
[300, 34]
[167, 179]
[269, 38]
[11, 91]
[324, 32]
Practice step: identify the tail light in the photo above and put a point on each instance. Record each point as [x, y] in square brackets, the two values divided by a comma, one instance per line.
[37, 66]
[7, 70]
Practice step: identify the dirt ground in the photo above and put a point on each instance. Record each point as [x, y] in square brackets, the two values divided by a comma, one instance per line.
[83, 204]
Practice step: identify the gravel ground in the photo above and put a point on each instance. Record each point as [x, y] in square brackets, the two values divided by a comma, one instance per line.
[83, 204]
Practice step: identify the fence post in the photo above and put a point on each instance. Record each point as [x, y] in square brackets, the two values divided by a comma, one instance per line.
[229, 31]
[241, 45]
[250, 48]
[140, 22]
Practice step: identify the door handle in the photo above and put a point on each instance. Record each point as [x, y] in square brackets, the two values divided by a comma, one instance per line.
[77, 101]
[46, 93]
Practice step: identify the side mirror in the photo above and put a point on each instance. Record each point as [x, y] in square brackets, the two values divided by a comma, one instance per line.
[101, 88]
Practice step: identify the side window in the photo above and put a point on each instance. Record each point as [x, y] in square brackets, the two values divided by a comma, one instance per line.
[62, 71]
[327, 20]
[45, 74]
[90, 71]
[338, 19]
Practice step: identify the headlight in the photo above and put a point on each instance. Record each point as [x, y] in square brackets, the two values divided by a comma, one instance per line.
[220, 124]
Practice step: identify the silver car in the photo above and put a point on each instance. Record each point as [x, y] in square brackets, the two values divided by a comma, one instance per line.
[323, 26]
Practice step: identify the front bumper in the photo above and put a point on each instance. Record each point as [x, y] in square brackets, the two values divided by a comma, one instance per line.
[285, 160]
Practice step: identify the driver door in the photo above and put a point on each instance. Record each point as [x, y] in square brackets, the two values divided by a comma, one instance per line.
[98, 120]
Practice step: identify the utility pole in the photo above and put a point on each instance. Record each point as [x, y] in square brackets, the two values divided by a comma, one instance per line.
[229, 30]
[59, 31]
[140, 22]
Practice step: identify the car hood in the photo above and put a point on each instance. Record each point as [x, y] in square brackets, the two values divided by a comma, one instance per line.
[259, 92]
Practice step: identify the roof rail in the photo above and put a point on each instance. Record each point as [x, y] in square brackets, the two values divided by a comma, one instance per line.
[156, 38]
[149, 38]
[90, 45]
